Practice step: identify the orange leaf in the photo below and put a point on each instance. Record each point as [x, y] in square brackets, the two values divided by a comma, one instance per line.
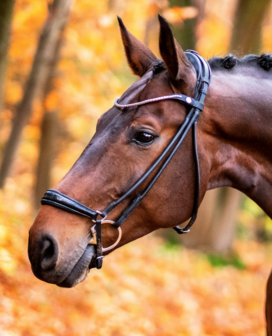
[178, 14]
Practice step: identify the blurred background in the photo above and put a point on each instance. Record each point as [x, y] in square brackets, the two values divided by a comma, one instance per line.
[61, 66]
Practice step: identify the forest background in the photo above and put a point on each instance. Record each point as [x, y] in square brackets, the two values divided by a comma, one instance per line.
[61, 66]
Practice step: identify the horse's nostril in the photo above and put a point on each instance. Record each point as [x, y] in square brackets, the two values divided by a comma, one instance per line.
[49, 252]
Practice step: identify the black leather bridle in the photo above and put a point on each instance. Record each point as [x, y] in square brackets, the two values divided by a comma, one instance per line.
[59, 200]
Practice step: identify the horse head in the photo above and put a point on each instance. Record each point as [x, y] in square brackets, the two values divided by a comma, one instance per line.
[126, 144]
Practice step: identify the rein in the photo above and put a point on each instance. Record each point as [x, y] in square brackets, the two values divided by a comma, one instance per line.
[59, 200]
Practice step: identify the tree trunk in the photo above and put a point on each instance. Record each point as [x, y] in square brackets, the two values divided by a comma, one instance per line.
[218, 233]
[246, 39]
[48, 133]
[199, 236]
[223, 224]
[46, 154]
[56, 20]
[6, 10]
[246, 35]
[185, 34]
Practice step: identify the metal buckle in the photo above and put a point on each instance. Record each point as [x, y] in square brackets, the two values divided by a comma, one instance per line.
[93, 241]
[100, 214]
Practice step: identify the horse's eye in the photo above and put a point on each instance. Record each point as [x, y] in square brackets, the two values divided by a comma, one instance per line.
[144, 138]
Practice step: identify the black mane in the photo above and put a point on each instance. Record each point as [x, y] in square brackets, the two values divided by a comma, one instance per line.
[229, 62]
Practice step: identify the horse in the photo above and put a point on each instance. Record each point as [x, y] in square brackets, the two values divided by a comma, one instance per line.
[234, 134]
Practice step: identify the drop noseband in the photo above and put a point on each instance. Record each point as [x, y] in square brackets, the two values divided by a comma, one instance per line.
[59, 200]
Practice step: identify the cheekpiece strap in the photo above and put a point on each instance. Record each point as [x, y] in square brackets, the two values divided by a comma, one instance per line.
[99, 253]
[203, 80]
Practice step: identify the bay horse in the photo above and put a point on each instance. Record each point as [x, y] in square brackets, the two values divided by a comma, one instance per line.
[234, 134]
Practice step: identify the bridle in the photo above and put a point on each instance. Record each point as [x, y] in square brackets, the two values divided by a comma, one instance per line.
[59, 200]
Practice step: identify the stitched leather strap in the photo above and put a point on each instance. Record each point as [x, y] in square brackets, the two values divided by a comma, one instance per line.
[59, 200]
[182, 98]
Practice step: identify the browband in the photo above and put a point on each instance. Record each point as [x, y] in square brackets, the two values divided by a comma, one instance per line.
[182, 98]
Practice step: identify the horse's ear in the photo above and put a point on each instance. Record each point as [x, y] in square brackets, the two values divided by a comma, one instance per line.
[179, 67]
[140, 58]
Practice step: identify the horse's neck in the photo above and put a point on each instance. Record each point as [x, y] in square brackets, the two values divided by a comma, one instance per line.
[238, 135]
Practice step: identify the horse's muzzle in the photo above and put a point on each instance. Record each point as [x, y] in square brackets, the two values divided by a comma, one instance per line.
[65, 271]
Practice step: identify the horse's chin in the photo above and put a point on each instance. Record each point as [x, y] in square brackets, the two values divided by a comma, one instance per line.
[81, 268]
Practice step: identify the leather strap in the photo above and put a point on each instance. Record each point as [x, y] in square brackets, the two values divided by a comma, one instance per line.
[182, 98]
[59, 200]
[99, 255]
[203, 80]
[186, 229]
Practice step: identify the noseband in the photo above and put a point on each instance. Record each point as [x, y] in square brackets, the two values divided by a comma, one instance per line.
[59, 200]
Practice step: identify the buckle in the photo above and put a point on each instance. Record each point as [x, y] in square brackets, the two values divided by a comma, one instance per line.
[93, 240]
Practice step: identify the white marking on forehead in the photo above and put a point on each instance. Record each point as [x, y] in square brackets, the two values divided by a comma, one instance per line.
[135, 88]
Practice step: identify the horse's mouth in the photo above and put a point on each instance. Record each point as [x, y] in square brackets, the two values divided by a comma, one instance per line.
[81, 268]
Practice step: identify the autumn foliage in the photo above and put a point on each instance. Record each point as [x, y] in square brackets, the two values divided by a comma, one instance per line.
[145, 288]
[148, 287]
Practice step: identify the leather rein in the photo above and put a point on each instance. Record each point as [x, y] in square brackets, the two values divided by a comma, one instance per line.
[59, 200]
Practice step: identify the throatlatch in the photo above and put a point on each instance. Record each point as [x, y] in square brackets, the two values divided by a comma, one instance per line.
[59, 200]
